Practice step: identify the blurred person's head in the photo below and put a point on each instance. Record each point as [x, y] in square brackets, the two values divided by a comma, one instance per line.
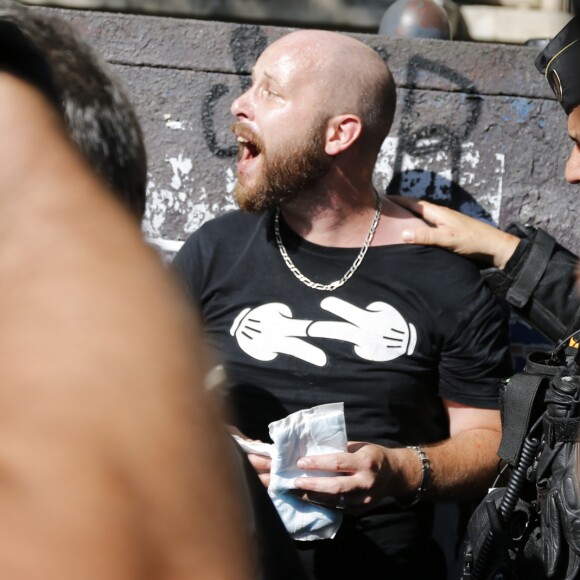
[99, 118]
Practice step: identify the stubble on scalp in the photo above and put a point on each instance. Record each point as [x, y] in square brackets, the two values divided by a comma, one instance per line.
[370, 90]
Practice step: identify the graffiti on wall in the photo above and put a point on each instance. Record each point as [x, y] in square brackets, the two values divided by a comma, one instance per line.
[418, 178]
[246, 45]
[435, 160]
[185, 197]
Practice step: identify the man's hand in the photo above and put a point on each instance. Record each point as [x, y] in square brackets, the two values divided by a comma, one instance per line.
[462, 467]
[457, 232]
[367, 473]
[261, 463]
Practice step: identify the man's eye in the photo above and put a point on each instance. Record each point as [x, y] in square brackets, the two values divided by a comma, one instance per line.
[270, 93]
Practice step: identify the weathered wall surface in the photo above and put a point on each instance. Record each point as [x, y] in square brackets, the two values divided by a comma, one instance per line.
[353, 14]
[476, 125]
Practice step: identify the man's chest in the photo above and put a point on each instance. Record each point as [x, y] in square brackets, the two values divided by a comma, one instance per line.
[304, 330]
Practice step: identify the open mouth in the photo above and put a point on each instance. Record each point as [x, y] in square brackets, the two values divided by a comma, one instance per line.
[247, 149]
[249, 145]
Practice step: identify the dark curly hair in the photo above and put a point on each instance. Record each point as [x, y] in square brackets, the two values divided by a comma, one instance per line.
[99, 117]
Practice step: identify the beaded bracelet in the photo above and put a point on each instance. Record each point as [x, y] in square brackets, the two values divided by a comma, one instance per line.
[425, 477]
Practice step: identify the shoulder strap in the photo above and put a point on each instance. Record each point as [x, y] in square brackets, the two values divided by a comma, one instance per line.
[517, 412]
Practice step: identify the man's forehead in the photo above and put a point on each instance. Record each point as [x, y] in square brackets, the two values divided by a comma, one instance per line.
[283, 62]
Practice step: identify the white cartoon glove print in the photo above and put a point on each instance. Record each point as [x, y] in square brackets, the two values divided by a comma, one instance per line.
[379, 333]
[269, 330]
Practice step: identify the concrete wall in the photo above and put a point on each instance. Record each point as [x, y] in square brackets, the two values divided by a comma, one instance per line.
[508, 21]
[362, 15]
[476, 126]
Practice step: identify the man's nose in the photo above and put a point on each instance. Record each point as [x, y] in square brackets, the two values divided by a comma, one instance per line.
[573, 166]
[242, 107]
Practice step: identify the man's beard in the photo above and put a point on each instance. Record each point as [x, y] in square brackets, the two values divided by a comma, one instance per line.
[284, 175]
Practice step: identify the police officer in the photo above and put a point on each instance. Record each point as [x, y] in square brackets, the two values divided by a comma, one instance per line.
[534, 274]
[537, 277]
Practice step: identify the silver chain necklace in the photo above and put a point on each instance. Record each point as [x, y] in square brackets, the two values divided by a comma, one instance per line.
[337, 283]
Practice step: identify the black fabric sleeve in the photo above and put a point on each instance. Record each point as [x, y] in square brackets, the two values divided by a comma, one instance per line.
[189, 268]
[475, 357]
[538, 282]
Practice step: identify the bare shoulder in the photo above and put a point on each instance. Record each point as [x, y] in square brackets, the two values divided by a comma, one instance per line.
[394, 220]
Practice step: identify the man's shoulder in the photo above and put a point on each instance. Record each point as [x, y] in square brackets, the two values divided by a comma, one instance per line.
[439, 259]
[444, 278]
[236, 219]
[227, 227]
[221, 236]
[442, 256]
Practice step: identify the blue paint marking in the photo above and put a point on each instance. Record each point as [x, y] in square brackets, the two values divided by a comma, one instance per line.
[522, 109]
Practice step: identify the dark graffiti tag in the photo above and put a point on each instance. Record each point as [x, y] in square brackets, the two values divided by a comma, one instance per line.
[435, 138]
[415, 138]
[246, 45]
[207, 120]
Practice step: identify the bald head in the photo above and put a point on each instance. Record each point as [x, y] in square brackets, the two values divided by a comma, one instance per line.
[351, 77]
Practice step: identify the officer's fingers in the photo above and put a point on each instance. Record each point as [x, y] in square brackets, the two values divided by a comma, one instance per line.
[436, 215]
[429, 211]
[409, 203]
[430, 237]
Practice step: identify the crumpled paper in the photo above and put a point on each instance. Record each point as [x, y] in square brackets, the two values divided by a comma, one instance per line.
[316, 431]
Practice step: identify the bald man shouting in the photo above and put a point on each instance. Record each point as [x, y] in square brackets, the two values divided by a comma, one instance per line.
[309, 298]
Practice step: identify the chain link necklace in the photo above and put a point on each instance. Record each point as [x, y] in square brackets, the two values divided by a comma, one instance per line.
[337, 283]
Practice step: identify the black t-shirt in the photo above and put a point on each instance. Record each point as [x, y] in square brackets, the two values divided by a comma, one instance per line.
[413, 325]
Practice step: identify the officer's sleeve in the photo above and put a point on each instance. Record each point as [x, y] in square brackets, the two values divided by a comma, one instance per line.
[538, 282]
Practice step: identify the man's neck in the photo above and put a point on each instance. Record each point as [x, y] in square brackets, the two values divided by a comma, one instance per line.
[331, 216]
[333, 222]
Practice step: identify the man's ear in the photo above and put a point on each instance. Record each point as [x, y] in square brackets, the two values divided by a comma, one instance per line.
[341, 132]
